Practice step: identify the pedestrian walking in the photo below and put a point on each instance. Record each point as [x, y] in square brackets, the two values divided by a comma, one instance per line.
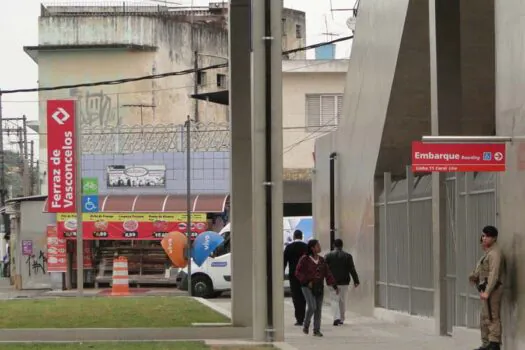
[312, 271]
[342, 266]
[292, 253]
[488, 279]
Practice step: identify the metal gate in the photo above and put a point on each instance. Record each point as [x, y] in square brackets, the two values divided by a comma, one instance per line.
[405, 278]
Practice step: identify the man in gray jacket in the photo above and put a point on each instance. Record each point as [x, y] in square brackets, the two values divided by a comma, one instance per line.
[342, 266]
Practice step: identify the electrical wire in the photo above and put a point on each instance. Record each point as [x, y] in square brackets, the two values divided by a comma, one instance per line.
[163, 75]
[315, 63]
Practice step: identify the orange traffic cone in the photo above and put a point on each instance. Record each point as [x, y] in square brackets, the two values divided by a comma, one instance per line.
[120, 285]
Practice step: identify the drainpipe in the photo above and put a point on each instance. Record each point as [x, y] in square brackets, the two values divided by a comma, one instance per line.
[333, 157]
[268, 157]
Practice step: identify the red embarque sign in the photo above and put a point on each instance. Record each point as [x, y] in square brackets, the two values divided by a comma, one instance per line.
[461, 157]
[61, 155]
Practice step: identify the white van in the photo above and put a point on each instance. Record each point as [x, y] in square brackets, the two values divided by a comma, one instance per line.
[214, 276]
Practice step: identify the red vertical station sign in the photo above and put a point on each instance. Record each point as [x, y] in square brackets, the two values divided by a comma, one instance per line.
[61, 156]
[460, 157]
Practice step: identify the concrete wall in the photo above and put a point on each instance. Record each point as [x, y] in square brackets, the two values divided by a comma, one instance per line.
[386, 107]
[294, 32]
[33, 223]
[369, 82]
[510, 120]
[324, 146]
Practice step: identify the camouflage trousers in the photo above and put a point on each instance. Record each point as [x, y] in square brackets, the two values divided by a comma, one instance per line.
[490, 317]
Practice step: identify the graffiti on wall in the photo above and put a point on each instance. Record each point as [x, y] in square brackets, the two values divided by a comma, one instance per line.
[36, 264]
[96, 108]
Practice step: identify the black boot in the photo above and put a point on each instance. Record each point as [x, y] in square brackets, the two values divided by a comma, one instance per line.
[494, 346]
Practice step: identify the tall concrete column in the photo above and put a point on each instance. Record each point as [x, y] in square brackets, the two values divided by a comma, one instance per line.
[241, 158]
[510, 121]
[259, 175]
[445, 75]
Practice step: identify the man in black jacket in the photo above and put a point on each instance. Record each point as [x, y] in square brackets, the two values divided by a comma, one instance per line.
[342, 266]
[292, 253]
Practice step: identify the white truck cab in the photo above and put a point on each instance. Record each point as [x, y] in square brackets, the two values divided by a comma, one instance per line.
[214, 276]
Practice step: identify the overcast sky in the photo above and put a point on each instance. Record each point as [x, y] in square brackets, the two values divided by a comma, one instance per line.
[19, 27]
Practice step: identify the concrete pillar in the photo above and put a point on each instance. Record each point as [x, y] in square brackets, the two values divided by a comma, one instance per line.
[445, 75]
[510, 121]
[241, 158]
[259, 177]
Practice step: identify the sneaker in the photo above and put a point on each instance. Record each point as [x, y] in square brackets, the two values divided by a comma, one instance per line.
[305, 330]
[318, 334]
[337, 323]
[298, 323]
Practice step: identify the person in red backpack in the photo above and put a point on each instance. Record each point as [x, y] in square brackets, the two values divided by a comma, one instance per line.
[311, 272]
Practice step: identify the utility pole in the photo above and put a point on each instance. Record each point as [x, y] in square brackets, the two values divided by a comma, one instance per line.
[3, 189]
[37, 177]
[24, 132]
[32, 167]
[188, 202]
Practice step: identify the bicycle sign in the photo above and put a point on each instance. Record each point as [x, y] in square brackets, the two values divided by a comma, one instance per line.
[89, 185]
[90, 204]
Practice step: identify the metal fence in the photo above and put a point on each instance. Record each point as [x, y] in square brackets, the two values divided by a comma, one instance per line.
[405, 276]
[123, 139]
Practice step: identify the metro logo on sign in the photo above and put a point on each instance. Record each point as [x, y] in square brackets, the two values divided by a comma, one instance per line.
[61, 156]
[460, 157]
[61, 116]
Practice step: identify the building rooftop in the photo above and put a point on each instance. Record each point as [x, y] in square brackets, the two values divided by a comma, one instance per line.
[217, 8]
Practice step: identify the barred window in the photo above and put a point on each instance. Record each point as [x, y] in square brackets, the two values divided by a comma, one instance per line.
[323, 109]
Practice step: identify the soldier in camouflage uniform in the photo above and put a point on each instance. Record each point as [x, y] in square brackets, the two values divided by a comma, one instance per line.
[487, 277]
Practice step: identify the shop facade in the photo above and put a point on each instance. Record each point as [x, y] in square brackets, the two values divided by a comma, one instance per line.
[132, 226]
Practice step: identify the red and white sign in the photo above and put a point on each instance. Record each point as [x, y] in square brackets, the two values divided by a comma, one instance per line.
[61, 155]
[56, 251]
[460, 157]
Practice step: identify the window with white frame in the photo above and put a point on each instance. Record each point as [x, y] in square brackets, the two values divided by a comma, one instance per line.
[323, 110]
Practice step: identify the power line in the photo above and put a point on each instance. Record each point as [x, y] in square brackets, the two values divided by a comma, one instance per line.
[163, 75]
[315, 63]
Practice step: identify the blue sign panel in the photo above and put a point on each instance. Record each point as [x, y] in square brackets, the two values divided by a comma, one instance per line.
[90, 204]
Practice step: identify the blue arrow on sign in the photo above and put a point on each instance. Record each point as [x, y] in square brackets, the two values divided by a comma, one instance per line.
[90, 204]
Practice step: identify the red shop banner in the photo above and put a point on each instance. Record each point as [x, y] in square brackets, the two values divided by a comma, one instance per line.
[56, 251]
[61, 155]
[458, 157]
[129, 226]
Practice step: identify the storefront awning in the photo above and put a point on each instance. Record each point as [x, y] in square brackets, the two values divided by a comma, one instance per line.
[202, 203]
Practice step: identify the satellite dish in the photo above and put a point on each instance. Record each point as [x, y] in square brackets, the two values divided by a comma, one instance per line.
[351, 22]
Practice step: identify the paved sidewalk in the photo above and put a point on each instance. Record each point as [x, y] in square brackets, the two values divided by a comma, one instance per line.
[360, 333]
[9, 292]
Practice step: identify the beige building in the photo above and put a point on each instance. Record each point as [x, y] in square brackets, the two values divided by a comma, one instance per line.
[85, 44]
[312, 102]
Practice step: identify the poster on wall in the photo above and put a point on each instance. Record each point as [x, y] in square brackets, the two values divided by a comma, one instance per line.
[130, 226]
[61, 155]
[136, 176]
[56, 251]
